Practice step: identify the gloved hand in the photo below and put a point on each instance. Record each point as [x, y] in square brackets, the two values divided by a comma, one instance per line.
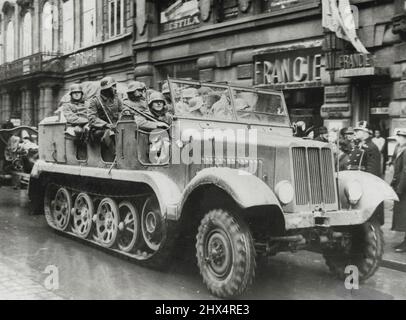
[162, 125]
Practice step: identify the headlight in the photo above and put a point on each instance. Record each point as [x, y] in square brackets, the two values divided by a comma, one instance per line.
[354, 192]
[285, 192]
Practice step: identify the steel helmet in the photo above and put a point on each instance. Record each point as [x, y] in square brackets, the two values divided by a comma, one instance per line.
[136, 85]
[165, 88]
[107, 83]
[76, 88]
[156, 96]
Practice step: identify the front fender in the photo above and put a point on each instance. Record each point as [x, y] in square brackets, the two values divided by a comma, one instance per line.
[246, 189]
[375, 191]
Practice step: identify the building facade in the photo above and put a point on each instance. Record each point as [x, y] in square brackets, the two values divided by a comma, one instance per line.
[46, 45]
[281, 45]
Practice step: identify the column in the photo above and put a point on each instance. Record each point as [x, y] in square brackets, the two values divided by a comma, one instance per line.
[6, 106]
[41, 113]
[24, 115]
[29, 107]
[36, 22]
[48, 102]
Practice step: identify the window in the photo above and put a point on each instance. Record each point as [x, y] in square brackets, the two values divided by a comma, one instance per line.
[88, 22]
[26, 35]
[187, 70]
[116, 17]
[10, 41]
[47, 28]
[68, 26]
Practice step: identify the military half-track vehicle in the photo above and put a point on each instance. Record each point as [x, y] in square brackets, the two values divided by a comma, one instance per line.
[228, 175]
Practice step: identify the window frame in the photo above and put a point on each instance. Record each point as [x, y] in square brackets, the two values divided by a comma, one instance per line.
[113, 33]
[65, 47]
[82, 24]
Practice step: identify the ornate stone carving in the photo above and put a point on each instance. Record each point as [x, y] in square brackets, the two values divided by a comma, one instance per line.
[244, 5]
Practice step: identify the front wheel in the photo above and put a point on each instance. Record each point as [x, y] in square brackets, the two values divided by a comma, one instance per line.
[225, 254]
[364, 249]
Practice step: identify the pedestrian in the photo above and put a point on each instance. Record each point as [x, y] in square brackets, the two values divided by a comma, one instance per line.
[323, 135]
[399, 185]
[380, 142]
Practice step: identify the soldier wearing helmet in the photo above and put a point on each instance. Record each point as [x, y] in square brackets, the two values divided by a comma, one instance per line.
[75, 111]
[104, 112]
[136, 94]
[158, 107]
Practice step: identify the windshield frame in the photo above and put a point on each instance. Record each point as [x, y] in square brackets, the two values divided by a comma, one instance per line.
[231, 89]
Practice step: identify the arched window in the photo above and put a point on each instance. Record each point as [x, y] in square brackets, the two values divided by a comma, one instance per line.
[26, 35]
[10, 41]
[47, 27]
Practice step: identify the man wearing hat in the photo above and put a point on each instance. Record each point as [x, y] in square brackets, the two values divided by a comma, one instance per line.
[365, 155]
[104, 111]
[323, 135]
[136, 96]
[399, 185]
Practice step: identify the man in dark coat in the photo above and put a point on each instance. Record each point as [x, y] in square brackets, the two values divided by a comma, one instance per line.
[365, 155]
[399, 185]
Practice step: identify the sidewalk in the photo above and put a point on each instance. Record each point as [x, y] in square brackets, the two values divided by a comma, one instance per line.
[392, 259]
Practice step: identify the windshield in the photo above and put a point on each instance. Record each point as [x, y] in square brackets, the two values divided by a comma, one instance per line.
[222, 102]
[259, 107]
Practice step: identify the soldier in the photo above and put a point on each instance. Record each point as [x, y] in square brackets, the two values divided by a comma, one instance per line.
[323, 135]
[136, 96]
[365, 155]
[399, 185]
[104, 111]
[75, 111]
[158, 108]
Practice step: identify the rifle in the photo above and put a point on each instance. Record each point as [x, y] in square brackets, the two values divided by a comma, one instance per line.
[147, 116]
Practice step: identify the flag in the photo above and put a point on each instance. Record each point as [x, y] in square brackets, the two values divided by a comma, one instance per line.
[339, 19]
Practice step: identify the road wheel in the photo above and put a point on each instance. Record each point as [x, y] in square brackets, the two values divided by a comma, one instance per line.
[82, 216]
[107, 220]
[129, 227]
[152, 224]
[364, 250]
[225, 254]
[58, 206]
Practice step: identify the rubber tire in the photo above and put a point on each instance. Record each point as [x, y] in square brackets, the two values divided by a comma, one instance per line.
[366, 256]
[242, 272]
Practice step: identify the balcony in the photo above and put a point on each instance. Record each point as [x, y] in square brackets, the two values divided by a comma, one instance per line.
[39, 63]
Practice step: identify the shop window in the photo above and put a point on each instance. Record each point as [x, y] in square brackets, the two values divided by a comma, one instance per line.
[116, 17]
[68, 26]
[10, 41]
[89, 22]
[47, 27]
[26, 36]
[276, 5]
[181, 70]
[178, 14]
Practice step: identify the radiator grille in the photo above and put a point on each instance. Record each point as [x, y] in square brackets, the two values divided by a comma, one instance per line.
[314, 176]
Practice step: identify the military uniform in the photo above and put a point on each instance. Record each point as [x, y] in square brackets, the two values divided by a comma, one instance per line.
[75, 113]
[365, 157]
[102, 110]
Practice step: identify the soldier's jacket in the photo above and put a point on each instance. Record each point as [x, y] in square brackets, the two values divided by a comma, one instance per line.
[98, 106]
[399, 176]
[365, 156]
[75, 113]
[142, 122]
[138, 105]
